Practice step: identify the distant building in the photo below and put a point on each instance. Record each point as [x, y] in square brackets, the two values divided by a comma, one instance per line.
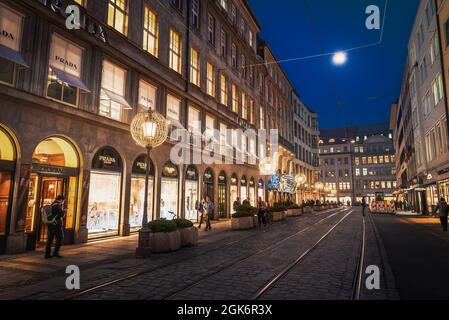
[358, 162]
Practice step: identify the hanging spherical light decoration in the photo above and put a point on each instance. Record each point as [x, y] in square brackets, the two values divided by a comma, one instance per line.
[149, 129]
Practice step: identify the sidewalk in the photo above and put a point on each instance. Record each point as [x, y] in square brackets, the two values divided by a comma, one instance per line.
[112, 246]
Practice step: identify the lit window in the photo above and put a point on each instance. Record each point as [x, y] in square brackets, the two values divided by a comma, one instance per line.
[112, 97]
[118, 15]
[235, 99]
[251, 111]
[150, 32]
[223, 90]
[210, 85]
[175, 51]
[147, 96]
[262, 117]
[64, 75]
[174, 111]
[244, 106]
[81, 2]
[194, 67]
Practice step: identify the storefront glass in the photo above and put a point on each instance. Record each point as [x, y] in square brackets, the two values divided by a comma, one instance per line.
[432, 198]
[222, 196]
[191, 194]
[252, 192]
[443, 188]
[169, 192]
[105, 194]
[234, 193]
[7, 166]
[243, 189]
[208, 180]
[54, 172]
[261, 190]
[137, 197]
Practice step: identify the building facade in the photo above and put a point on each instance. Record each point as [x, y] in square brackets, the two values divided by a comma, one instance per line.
[358, 162]
[428, 104]
[68, 97]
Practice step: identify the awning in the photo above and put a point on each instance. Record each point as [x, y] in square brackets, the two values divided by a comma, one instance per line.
[117, 98]
[12, 55]
[69, 79]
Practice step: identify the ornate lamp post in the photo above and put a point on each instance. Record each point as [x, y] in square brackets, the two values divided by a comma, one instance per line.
[149, 129]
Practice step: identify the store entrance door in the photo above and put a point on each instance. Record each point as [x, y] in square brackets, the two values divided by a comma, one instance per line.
[44, 190]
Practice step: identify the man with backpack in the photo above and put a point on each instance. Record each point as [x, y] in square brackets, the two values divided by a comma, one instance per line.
[443, 209]
[53, 216]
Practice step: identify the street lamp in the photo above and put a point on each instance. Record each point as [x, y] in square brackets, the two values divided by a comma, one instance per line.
[300, 180]
[319, 186]
[149, 129]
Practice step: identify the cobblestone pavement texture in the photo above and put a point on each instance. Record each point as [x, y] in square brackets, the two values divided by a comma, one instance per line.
[226, 264]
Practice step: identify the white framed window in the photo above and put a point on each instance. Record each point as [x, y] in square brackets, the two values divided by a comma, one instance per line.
[147, 95]
[112, 97]
[194, 123]
[174, 110]
[150, 32]
[64, 75]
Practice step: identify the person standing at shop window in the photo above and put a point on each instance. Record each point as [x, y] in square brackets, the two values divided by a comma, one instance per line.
[55, 229]
[201, 207]
[209, 213]
[443, 209]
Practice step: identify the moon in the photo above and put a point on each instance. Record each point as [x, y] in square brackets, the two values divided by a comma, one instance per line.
[339, 58]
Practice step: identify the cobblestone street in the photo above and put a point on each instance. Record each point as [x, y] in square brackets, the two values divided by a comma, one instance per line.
[226, 265]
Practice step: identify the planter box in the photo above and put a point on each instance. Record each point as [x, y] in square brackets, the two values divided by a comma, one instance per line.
[189, 237]
[165, 242]
[279, 216]
[308, 210]
[294, 212]
[244, 223]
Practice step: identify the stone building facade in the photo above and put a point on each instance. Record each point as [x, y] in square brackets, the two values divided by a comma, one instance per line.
[67, 97]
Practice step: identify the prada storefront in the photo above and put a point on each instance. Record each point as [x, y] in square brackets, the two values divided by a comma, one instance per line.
[169, 191]
[103, 215]
[54, 171]
[191, 194]
[137, 197]
[7, 169]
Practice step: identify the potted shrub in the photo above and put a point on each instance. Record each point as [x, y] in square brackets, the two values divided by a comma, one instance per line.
[243, 219]
[278, 211]
[164, 236]
[189, 234]
[294, 210]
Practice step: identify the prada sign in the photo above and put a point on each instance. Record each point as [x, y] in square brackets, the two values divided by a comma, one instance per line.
[75, 19]
[10, 28]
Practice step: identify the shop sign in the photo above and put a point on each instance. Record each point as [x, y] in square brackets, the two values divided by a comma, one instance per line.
[107, 159]
[86, 23]
[251, 183]
[243, 181]
[52, 170]
[140, 165]
[191, 174]
[208, 176]
[170, 171]
[222, 178]
[234, 180]
[10, 28]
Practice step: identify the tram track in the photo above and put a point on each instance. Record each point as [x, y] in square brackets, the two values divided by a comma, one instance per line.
[106, 284]
[286, 270]
[173, 295]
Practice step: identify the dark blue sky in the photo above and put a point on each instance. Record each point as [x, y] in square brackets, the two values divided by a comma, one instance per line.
[362, 91]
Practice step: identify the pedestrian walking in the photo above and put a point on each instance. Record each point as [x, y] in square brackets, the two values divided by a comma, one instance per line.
[261, 211]
[201, 208]
[443, 209]
[364, 205]
[53, 216]
[209, 213]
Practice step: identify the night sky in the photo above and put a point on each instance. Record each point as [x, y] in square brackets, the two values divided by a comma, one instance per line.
[360, 92]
